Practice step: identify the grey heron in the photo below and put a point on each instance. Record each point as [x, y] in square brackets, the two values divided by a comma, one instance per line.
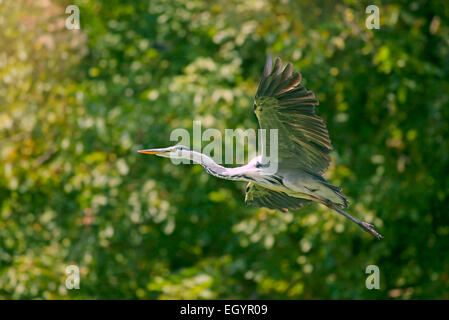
[282, 103]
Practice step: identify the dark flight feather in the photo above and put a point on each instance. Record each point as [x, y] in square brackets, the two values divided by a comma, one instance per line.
[283, 103]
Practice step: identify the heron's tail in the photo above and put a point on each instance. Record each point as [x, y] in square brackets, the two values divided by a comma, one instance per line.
[338, 192]
[331, 193]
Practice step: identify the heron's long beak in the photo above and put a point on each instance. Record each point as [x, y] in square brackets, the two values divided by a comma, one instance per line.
[155, 151]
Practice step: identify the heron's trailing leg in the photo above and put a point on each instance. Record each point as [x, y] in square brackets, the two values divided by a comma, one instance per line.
[365, 226]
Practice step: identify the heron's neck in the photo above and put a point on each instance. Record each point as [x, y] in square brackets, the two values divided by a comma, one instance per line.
[213, 168]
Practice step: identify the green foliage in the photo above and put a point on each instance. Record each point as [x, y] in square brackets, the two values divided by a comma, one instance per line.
[76, 105]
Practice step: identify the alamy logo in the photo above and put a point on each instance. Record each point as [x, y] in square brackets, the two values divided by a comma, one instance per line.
[373, 280]
[372, 21]
[73, 21]
[73, 279]
[263, 140]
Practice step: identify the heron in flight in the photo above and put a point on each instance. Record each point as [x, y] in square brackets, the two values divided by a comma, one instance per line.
[282, 103]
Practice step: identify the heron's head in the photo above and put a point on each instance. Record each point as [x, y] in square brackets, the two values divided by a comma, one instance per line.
[175, 152]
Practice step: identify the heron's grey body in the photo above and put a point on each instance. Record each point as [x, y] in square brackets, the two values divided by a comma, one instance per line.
[296, 184]
[282, 103]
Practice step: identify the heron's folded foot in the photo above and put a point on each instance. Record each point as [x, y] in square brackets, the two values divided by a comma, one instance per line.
[370, 229]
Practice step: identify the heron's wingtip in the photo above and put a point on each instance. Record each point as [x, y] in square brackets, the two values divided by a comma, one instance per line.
[268, 66]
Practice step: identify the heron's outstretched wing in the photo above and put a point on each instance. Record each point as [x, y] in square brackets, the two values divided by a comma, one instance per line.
[258, 196]
[283, 103]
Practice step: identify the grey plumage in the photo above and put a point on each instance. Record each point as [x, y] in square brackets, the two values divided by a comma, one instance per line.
[283, 103]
